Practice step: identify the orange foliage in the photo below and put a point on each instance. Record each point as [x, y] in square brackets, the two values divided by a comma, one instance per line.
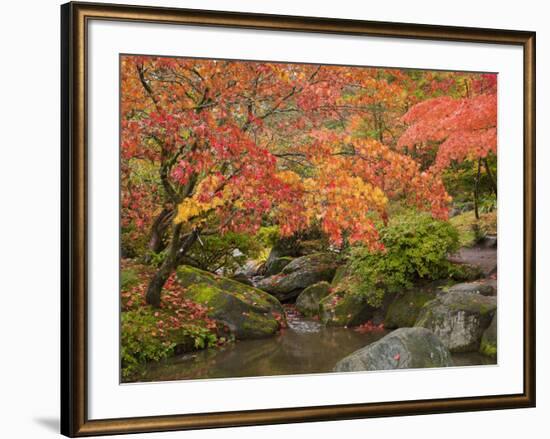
[248, 141]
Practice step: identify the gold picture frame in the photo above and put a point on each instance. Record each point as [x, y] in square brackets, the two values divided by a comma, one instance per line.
[74, 388]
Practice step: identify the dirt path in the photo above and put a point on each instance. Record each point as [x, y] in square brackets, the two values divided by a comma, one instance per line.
[482, 256]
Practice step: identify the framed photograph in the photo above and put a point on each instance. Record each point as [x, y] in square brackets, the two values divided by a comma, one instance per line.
[272, 219]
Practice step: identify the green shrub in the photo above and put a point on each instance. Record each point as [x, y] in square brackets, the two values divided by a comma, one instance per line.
[142, 339]
[416, 247]
[139, 341]
[268, 236]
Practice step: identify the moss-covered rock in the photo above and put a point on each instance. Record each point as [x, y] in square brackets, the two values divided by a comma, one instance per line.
[299, 274]
[246, 311]
[277, 265]
[294, 247]
[458, 318]
[188, 276]
[323, 263]
[242, 278]
[308, 300]
[488, 344]
[405, 307]
[405, 348]
[345, 309]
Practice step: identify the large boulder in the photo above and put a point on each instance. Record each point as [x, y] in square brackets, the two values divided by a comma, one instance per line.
[488, 344]
[247, 312]
[405, 307]
[458, 319]
[308, 300]
[300, 274]
[405, 348]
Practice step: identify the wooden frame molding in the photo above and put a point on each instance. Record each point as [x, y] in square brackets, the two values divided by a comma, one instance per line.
[75, 18]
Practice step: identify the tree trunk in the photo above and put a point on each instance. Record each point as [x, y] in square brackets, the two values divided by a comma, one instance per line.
[476, 189]
[178, 247]
[157, 241]
[490, 175]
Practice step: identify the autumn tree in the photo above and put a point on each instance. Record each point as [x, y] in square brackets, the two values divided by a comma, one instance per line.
[236, 144]
[463, 128]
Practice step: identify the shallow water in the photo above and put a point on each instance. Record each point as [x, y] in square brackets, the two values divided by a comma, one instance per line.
[305, 347]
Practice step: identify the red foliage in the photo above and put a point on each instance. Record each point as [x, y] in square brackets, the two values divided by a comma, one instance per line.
[246, 142]
[465, 128]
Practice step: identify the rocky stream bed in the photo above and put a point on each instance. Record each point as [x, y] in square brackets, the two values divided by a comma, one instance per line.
[294, 319]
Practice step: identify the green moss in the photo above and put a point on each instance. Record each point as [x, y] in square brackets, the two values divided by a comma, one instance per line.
[246, 293]
[246, 311]
[472, 303]
[260, 325]
[128, 278]
[188, 276]
[206, 294]
[488, 348]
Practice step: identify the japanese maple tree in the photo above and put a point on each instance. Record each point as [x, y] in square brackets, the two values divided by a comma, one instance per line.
[463, 128]
[236, 144]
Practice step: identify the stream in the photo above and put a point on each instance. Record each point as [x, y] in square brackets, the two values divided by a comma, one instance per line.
[304, 347]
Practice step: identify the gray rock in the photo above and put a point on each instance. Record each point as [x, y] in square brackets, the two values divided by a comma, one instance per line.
[483, 287]
[458, 319]
[323, 262]
[299, 274]
[308, 300]
[405, 348]
[490, 241]
[249, 269]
